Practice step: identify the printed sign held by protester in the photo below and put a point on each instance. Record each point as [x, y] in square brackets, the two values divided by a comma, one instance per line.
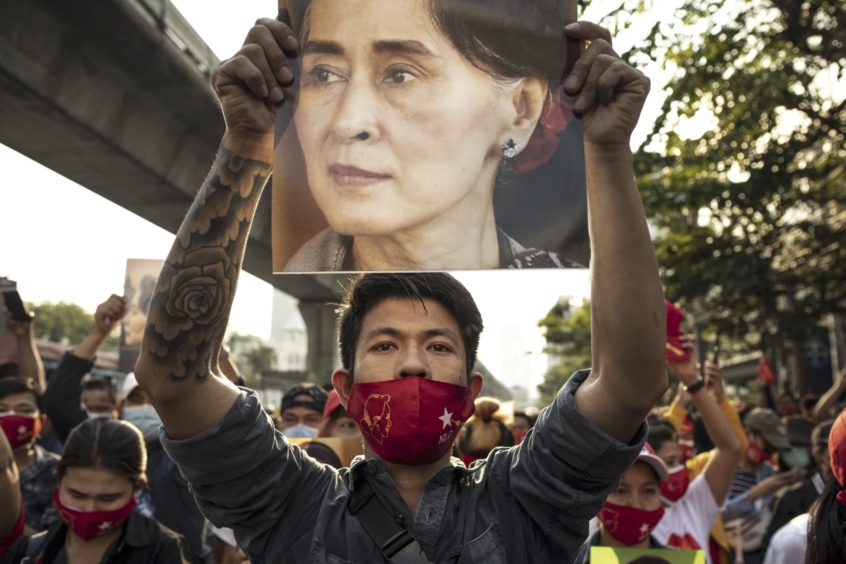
[610, 555]
[413, 142]
[141, 276]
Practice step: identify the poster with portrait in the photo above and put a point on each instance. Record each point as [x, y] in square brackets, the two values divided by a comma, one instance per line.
[424, 135]
[140, 281]
[609, 555]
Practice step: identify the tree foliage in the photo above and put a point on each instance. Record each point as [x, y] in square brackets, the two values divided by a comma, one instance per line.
[750, 209]
[252, 355]
[67, 323]
[567, 333]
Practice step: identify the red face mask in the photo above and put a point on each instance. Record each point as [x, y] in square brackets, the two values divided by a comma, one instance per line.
[89, 525]
[410, 421]
[686, 450]
[519, 435]
[756, 455]
[674, 488]
[629, 525]
[20, 429]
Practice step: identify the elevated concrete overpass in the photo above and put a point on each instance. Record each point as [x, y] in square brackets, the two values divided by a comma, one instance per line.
[115, 95]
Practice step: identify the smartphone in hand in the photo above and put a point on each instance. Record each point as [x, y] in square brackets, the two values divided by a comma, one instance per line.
[15, 306]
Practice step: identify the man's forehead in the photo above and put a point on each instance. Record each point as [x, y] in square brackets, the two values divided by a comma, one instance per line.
[301, 411]
[404, 315]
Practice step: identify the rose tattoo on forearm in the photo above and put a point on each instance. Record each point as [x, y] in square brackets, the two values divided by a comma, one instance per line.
[193, 296]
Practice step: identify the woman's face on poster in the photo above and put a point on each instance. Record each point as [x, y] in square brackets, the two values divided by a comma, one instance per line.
[396, 126]
[133, 325]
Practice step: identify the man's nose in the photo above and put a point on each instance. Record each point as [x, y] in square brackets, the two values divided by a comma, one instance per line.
[414, 364]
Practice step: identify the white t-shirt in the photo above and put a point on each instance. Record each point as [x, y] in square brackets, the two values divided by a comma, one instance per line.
[687, 523]
[789, 543]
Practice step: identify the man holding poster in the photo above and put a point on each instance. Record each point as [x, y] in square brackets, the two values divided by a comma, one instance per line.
[408, 344]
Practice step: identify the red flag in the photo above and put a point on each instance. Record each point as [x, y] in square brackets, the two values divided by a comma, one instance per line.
[765, 372]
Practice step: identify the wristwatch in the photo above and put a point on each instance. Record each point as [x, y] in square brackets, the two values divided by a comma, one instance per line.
[693, 388]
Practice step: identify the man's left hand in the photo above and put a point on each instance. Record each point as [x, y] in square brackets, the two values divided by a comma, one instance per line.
[609, 93]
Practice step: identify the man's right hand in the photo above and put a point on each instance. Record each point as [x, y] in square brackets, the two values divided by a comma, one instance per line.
[109, 313]
[250, 85]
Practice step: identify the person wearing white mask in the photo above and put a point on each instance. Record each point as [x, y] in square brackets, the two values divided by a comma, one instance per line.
[302, 411]
[137, 409]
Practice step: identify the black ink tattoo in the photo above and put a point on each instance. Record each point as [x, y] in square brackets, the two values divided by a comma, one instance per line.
[193, 296]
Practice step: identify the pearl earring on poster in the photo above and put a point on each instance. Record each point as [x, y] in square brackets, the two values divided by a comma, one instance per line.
[510, 149]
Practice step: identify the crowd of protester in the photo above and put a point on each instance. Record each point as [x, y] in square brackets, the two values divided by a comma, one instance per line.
[84, 466]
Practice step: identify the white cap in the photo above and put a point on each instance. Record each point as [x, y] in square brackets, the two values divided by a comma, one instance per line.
[648, 456]
[129, 384]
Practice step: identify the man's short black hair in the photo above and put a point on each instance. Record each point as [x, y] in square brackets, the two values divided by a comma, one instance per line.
[20, 385]
[368, 290]
[98, 383]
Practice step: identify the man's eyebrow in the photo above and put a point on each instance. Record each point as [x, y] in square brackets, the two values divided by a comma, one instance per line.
[402, 47]
[318, 47]
[443, 332]
[382, 331]
[429, 333]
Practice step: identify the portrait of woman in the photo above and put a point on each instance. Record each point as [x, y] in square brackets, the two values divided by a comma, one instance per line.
[137, 309]
[420, 135]
[139, 284]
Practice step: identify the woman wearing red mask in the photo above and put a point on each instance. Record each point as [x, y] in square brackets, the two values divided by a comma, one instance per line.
[693, 503]
[631, 513]
[98, 478]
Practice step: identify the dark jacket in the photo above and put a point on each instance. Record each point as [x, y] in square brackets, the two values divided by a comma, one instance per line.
[791, 502]
[63, 397]
[143, 540]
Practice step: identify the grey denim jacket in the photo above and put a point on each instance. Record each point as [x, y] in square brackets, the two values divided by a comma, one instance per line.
[526, 504]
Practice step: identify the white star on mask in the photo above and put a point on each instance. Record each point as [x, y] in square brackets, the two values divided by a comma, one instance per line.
[105, 526]
[644, 530]
[446, 418]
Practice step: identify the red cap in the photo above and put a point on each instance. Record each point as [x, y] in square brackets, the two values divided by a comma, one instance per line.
[676, 350]
[333, 402]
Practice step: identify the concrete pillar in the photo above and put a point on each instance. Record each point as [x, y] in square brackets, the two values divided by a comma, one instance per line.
[323, 355]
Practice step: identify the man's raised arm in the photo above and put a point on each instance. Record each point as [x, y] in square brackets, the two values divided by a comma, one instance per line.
[193, 297]
[627, 308]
